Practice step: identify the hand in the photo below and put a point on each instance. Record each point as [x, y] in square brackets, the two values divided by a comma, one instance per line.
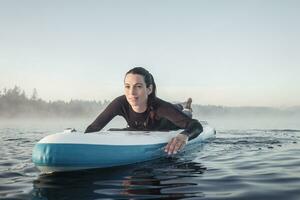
[176, 144]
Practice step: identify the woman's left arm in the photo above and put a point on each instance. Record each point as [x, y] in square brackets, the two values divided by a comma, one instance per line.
[192, 127]
[177, 143]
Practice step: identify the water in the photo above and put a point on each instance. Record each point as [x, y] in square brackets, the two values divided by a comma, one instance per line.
[238, 164]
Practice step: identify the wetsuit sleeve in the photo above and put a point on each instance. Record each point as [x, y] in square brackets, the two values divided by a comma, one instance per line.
[112, 110]
[192, 127]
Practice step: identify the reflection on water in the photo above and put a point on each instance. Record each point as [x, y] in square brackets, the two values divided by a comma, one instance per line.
[160, 179]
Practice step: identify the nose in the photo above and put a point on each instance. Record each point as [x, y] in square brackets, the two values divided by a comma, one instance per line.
[132, 91]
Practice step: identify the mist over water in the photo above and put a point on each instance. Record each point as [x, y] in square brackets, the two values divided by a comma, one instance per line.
[219, 123]
[240, 123]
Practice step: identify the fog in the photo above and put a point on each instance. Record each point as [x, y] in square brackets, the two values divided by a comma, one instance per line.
[18, 110]
[219, 123]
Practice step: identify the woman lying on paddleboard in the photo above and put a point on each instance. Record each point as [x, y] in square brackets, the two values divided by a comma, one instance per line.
[144, 111]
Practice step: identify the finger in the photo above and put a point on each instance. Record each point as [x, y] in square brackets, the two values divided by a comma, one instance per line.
[172, 146]
[179, 145]
[182, 144]
[167, 147]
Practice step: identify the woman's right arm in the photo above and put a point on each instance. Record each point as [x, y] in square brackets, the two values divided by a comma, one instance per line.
[112, 110]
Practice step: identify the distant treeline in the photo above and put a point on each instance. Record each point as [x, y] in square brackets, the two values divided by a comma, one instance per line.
[15, 103]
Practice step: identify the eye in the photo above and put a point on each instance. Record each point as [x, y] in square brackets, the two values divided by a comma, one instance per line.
[127, 86]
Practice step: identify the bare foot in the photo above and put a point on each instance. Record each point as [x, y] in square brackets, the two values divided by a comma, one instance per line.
[188, 104]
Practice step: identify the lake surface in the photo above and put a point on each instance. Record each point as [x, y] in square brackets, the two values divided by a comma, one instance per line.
[244, 163]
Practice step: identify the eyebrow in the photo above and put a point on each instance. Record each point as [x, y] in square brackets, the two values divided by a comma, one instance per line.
[134, 84]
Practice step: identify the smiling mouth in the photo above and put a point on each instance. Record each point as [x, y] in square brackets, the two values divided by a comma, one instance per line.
[133, 99]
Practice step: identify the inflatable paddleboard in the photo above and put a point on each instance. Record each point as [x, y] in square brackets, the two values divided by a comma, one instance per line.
[72, 150]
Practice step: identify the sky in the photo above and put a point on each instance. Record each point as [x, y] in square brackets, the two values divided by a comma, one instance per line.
[231, 53]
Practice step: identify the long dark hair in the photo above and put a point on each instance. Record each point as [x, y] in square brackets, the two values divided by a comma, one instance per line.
[149, 80]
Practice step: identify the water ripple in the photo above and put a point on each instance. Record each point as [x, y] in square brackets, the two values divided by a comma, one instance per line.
[238, 164]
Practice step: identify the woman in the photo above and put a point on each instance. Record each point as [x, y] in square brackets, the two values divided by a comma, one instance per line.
[144, 111]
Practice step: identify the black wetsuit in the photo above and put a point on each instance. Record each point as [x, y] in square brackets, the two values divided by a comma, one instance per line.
[160, 116]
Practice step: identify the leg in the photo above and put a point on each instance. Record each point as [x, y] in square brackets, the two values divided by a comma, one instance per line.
[186, 109]
[188, 112]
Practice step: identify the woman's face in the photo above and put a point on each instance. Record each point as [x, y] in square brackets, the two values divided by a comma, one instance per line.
[136, 91]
